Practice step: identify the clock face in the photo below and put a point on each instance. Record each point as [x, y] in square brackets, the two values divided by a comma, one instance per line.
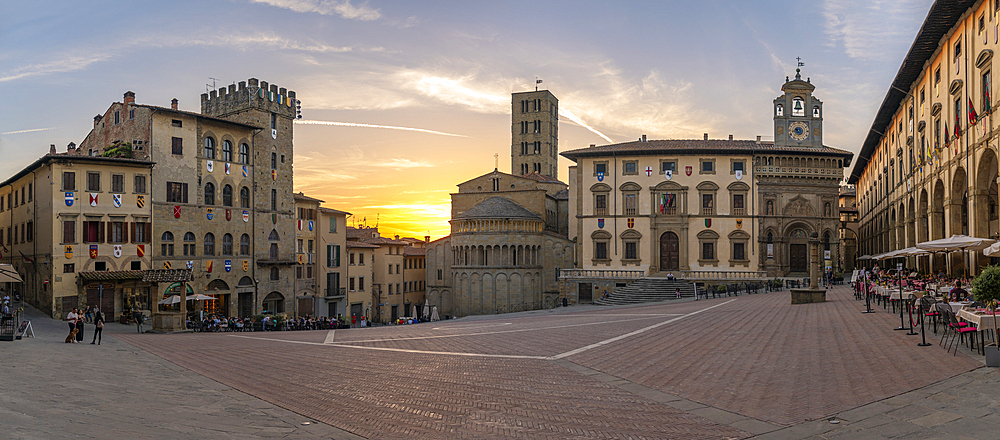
[798, 131]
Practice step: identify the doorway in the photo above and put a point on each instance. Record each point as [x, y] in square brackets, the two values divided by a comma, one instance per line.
[669, 252]
[331, 309]
[356, 312]
[103, 296]
[585, 293]
[245, 300]
[798, 261]
[395, 313]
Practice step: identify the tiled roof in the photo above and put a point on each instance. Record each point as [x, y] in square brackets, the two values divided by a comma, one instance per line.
[301, 196]
[109, 275]
[361, 245]
[58, 157]
[694, 146]
[383, 240]
[333, 211]
[539, 177]
[197, 115]
[167, 275]
[411, 251]
[353, 232]
[497, 207]
[562, 195]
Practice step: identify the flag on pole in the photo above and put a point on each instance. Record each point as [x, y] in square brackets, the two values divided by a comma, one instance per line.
[973, 117]
[986, 95]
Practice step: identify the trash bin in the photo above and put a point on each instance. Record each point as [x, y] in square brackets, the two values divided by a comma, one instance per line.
[7, 328]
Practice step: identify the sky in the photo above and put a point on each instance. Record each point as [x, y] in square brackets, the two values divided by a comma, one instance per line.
[402, 101]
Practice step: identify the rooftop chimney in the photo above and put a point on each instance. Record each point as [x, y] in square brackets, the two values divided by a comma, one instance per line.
[71, 147]
[593, 145]
[427, 239]
[129, 97]
[706, 136]
[758, 138]
[644, 138]
[173, 104]
[52, 148]
[97, 120]
[730, 137]
[397, 237]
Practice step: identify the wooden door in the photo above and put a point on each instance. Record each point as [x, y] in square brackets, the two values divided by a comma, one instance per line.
[105, 300]
[669, 252]
[798, 260]
[585, 293]
[245, 300]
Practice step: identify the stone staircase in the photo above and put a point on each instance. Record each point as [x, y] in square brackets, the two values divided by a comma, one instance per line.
[648, 289]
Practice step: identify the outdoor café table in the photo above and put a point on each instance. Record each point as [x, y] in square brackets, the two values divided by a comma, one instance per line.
[980, 319]
[955, 306]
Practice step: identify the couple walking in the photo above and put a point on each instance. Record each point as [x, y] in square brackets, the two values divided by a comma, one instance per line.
[76, 322]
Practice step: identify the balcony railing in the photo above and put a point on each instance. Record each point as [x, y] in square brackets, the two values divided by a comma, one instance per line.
[631, 211]
[600, 211]
[728, 275]
[568, 274]
[670, 210]
[336, 292]
[707, 211]
[739, 211]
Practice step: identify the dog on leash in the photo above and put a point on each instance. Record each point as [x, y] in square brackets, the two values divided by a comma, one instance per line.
[72, 336]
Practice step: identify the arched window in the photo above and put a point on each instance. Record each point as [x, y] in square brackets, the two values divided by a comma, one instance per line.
[227, 244]
[209, 193]
[227, 195]
[273, 236]
[779, 110]
[798, 108]
[244, 197]
[273, 251]
[209, 244]
[227, 151]
[245, 245]
[189, 244]
[209, 148]
[167, 244]
[244, 154]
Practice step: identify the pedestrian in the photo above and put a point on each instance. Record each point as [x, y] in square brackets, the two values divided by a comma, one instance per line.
[137, 315]
[79, 328]
[678, 292]
[6, 307]
[362, 320]
[71, 318]
[354, 320]
[98, 326]
[88, 315]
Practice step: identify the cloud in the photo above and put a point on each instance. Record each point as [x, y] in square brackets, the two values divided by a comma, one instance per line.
[326, 7]
[402, 163]
[389, 127]
[862, 27]
[66, 63]
[29, 131]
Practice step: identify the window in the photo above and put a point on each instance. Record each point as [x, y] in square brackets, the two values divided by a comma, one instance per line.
[601, 239]
[69, 231]
[227, 244]
[333, 255]
[209, 193]
[93, 231]
[117, 232]
[707, 166]
[227, 195]
[274, 161]
[333, 225]
[117, 117]
[630, 250]
[631, 206]
[351, 259]
[332, 284]
[275, 274]
[176, 146]
[738, 166]
[439, 272]
[601, 168]
[227, 151]
[141, 232]
[668, 165]
[209, 148]
[177, 192]
[69, 268]
[244, 154]
[274, 199]
[397, 266]
[69, 181]
[93, 181]
[779, 110]
[350, 284]
[167, 245]
[630, 167]
[244, 197]
[707, 204]
[189, 244]
[798, 109]
[708, 251]
[298, 272]
[100, 266]
[987, 93]
[139, 184]
[209, 244]
[361, 259]
[176, 123]
[245, 244]
[272, 253]
[29, 231]
[739, 206]
[135, 265]
[390, 288]
[390, 269]
[117, 183]
[361, 283]
[739, 251]
[600, 251]
[274, 121]
[298, 246]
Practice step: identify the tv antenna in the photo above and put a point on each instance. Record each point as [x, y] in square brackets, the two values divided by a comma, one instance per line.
[213, 84]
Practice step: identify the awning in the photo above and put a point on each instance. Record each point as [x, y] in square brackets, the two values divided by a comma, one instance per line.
[9, 275]
[111, 275]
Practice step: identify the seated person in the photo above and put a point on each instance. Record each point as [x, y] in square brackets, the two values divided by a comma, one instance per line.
[958, 293]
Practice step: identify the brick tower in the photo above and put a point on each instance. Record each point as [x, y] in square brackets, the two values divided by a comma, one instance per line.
[272, 108]
[534, 130]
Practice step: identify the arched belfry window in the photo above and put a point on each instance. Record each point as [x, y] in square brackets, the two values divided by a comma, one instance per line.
[798, 108]
[816, 111]
[779, 110]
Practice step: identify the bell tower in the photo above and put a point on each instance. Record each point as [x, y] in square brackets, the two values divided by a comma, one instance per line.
[534, 146]
[798, 115]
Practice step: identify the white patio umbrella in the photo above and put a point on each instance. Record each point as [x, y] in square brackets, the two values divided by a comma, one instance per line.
[200, 297]
[434, 314]
[864, 257]
[414, 314]
[957, 243]
[172, 299]
[9, 275]
[427, 309]
[993, 250]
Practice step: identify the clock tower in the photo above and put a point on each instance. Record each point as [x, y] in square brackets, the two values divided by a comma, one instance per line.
[798, 115]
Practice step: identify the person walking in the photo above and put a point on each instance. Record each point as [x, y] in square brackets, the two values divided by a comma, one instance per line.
[71, 318]
[98, 326]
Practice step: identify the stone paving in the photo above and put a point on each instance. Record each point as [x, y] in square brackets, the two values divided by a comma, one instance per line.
[735, 367]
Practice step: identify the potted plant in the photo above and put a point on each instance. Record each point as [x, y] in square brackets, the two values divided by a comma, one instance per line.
[987, 290]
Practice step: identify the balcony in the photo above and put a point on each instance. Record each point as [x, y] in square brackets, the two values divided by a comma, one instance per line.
[739, 211]
[600, 211]
[569, 274]
[707, 211]
[670, 210]
[332, 293]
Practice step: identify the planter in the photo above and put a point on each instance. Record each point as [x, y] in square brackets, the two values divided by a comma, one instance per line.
[992, 356]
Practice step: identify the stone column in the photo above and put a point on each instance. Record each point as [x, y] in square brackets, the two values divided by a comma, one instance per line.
[814, 271]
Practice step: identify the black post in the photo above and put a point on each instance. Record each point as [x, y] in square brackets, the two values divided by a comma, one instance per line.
[923, 337]
[902, 326]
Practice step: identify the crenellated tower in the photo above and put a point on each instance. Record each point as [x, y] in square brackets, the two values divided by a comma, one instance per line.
[273, 109]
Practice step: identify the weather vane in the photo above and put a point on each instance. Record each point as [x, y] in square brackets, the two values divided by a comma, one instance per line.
[800, 63]
[496, 161]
